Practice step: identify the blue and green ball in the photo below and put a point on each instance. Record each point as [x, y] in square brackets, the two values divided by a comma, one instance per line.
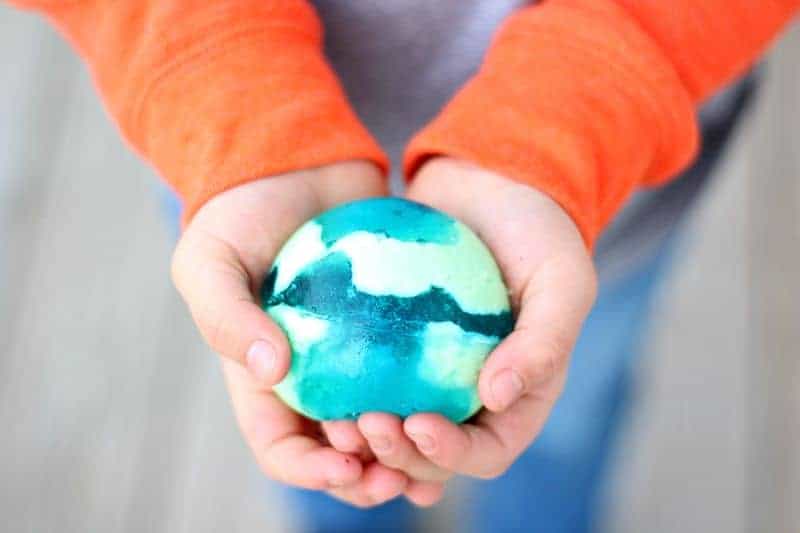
[388, 306]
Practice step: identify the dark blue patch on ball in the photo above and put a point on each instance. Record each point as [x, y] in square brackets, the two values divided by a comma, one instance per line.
[325, 289]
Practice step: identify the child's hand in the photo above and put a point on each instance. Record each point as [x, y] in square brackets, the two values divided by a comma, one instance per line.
[218, 266]
[551, 278]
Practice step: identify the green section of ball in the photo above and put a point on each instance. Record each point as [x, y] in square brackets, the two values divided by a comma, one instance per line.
[389, 306]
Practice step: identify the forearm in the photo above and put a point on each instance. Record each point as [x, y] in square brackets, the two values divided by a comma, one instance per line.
[587, 99]
[215, 94]
[711, 42]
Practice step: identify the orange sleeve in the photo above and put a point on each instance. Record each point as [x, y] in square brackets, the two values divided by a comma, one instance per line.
[588, 99]
[215, 94]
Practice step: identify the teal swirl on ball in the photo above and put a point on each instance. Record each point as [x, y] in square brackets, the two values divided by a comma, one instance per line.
[388, 306]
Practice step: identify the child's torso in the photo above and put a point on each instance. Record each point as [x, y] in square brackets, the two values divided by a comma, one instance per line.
[401, 60]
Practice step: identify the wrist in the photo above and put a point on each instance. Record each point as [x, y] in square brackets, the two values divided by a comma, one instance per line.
[453, 180]
[300, 194]
[345, 181]
[475, 194]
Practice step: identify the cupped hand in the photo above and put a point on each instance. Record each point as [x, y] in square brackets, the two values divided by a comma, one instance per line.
[552, 286]
[218, 267]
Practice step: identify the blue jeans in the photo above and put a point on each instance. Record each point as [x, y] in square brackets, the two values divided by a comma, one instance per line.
[554, 485]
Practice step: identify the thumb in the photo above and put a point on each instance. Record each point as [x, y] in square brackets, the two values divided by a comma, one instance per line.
[534, 358]
[217, 288]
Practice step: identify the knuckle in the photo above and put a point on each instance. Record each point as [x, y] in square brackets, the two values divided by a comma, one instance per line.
[573, 272]
[222, 328]
[215, 330]
[395, 460]
[554, 353]
[268, 468]
[266, 458]
[492, 471]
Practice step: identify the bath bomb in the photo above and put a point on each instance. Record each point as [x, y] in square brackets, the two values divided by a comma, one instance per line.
[388, 305]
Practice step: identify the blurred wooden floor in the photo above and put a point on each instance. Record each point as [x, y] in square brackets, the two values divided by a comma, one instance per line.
[114, 416]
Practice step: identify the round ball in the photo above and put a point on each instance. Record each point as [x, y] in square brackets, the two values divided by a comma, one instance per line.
[388, 306]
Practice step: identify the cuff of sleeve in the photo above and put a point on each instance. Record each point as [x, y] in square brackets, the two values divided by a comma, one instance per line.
[254, 107]
[573, 99]
[217, 94]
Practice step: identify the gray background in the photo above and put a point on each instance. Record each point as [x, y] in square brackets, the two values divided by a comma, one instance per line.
[113, 415]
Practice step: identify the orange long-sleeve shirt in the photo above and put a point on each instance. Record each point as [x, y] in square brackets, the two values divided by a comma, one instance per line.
[583, 99]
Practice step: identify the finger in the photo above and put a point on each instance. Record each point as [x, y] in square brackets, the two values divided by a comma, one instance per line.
[534, 358]
[392, 447]
[485, 448]
[345, 436]
[217, 288]
[283, 442]
[424, 493]
[378, 485]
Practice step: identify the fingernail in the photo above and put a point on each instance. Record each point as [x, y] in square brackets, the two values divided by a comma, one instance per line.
[336, 482]
[506, 388]
[379, 444]
[424, 442]
[261, 360]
